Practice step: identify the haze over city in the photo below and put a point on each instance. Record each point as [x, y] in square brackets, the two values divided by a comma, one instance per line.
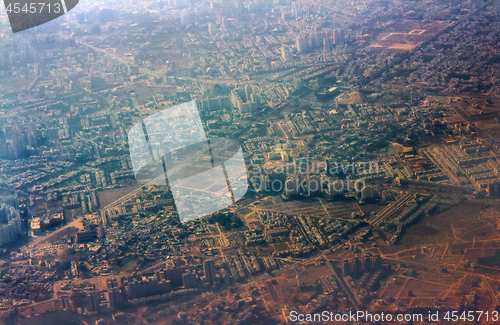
[250, 162]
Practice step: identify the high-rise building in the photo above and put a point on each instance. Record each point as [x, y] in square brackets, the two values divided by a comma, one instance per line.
[357, 267]
[346, 268]
[17, 147]
[174, 275]
[314, 185]
[284, 15]
[10, 220]
[326, 44]
[368, 192]
[149, 287]
[338, 36]
[209, 270]
[291, 186]
[10, 200]
[190, 280]
[115, 298]
[243, 104]
[313, 40]
[248, 93]
[223, 23]
[265, 183]
[214, 104]
[239, 5]
[285, 53]
[335, 188]
[112, 283]
[319, 38]
[4, 149]
[32, 137]
[367, 264]
[301, 43]
[377, 262]
[92, 302]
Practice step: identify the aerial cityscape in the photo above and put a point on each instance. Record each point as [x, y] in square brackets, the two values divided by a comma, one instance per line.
[251, 162]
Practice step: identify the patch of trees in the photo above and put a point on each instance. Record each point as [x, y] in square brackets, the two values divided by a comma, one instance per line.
[227, 220]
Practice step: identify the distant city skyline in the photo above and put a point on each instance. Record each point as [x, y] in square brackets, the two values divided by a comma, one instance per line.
[250, 162]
